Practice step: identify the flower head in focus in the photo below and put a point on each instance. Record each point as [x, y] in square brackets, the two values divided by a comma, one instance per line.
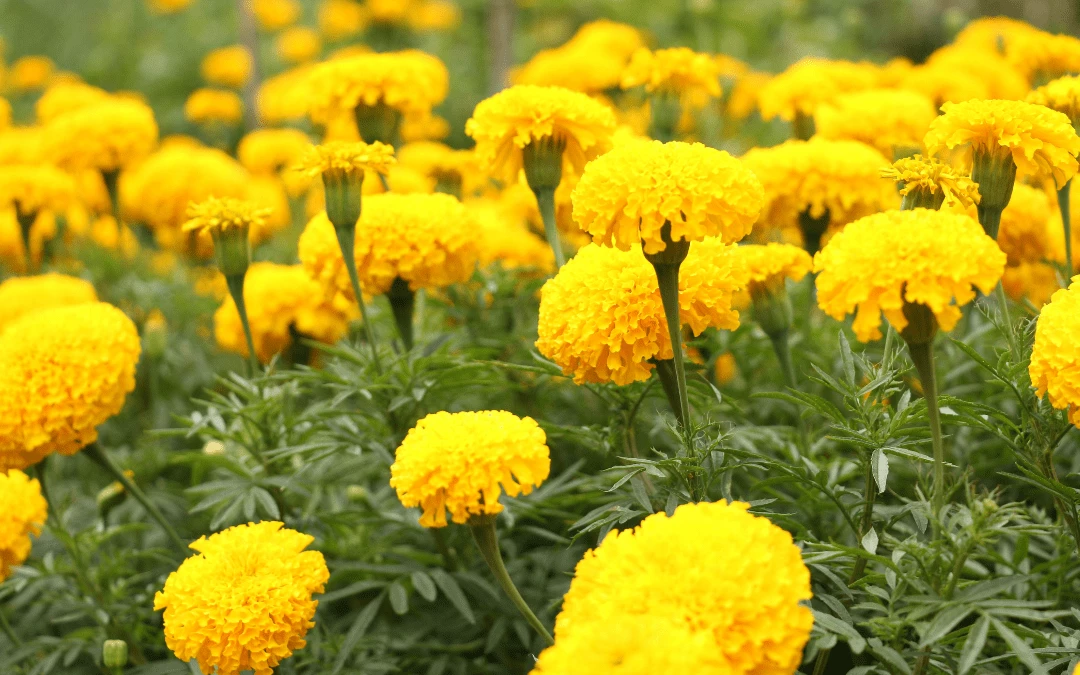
[341, 159]
[20, 296]
[219, 214]
[206, 106]
[462, 462]
[1055, 359]
[23, 512]
[1062, 95]
[925, 181]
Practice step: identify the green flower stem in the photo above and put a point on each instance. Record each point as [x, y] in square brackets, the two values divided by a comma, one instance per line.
[782, 346]
[1006, 318]
[1063, 204]
[112, 185]
[483, 531]
[402, 303]
[346, 237]
[667, 277]
[669, 381]
[26, 224]
[869, 497]
[100, 457]
[922, 355]
[235, 282]
[545, 197]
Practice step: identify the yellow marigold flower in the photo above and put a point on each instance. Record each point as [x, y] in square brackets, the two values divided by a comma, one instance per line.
[298, 44]
[1041, 141]
[455, 171]
[462, 462]
[994, 33]
[106, 136]
[23, 512]
[921, 177]
[168, 6]
[766, 263]
[63, 371]
[218, 214]
[30, 72]
[64, 97]
[340, 19]
[390, 11]
[1034, 281]
[1042, 56]
[504, 124]
[205, 106]
[228, 66]
[24, 295]
[602, 320]
[434, 15]
[725, 369]
[507, 240]
[31, 189]
[279, 300]
[808, 83]
[267, 152]
[888, 119]
[941, 84]
[1062, 95]
[920, 256]
[427, 240]
[1030, 227]
[626, 196]
[244, 602]
[284, 97]
[410, 82]
[745, 602]
[743, 99]
[274, 15]
[1001, 78]
[1055, 359]
[592, 61]
[343, 158]
[681, 72]
[12, 246]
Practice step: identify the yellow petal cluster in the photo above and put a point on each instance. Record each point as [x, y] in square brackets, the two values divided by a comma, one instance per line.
[64, 97]
[1041, 141]
[273, 15]
[884, 118]
[298, 44]
[462, 462]
[23, 512]
[809, 82]
[995, 72]
[280, 299]
[626, 196]
[340, 19]
[1055, 359]
[444, 165]
[427, 240]
[765, 263]
[941, 84]
[346, 158]
[506, 240]
[63, 371]
[1062, 95]
[602, 320]
[205, 106]
[876, 264]
[25, 295]
[592, 61]
[918, 173]
[266, 152]
[505, 123]
[284, 97]
[410, 81]
[744, 602]
[1035, 282]
[1030, 227]
[994, 33]
[219, 214]
[107, 136]
[1044, 56]
[244, 602]
[679, 71]
[227, 67]
[34, 188]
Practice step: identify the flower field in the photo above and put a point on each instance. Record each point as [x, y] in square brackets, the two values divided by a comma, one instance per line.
[483, 337]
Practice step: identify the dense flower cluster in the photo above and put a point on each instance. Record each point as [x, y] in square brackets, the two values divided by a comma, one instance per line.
[63, 371]
[691, 76]
[32, 188]
[592, 61]
[627, 196]
[1055, 359]
[808, 83]
[106, 136]
[24, 295]
[921, 256]
[64, 97]
[23, 512]
[462, 463]
[1062, 95]
[887, 119]
[744, 602]
[244, 602]
[602, 320]
[927, 175]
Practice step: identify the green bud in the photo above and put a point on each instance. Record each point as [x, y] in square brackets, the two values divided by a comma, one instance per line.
[772, 306]
[232, 250]
[922, 324]
[995, 173]
[379, 123]
[114, 653]
[542, 161]
[343, 195]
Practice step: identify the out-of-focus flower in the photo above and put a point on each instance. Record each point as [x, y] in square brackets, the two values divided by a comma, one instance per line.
[1055, 359]
[455, 172]
[283, 97]
[1035, 282]
[506, 240]
[298, 44]
[1030, 227]
[1000, 78]
[592, 61]
[106, 136]
[65, 97]
[267, 152]
[273, 15]
[725, 369]
[206, 106]
[799, 90]
[1042, 56]
[340, 19]
[168, 6]
[682, 73]
[941, 85]
[887, 119]
[25, 295]
[30, 73]
[228, 66]
[23, 512]
[994, 34]
[32, 189]
[1062, 95]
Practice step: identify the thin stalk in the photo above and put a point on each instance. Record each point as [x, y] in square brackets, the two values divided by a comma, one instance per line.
[822, 661]
[1006, 318]
[1063, 205]
[922, 355]
[26, 226]
[922, 662]
[235, 282]
[869, 497]
[669, 381]
[99, 456]
[782, 346]
[402, 304]
[347, 241]
[9, 631]
[483, 531]
[1068, 513]
[545, 197]
[667, 277]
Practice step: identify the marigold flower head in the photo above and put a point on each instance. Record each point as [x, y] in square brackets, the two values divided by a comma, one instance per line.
[340, 19]
[219, 214]
[410, 82]
[64, 97]
[205, 106]
[273, 15]
[107, 136]
[809, 82]
[994, 33]
[602, 320]
[228, 66]
[1042, 56]
[31, 189]
[427, 240]
[63, 371]
[884, 118]
[744, 601]
[390, 11]
[452, 169]
[743, 99]
[1001, 79]
[918, 174]
[281, 299]
[23, 512]
[507, 240]
[1041, 141]
[921, 256]
[244, 602]
[462, 462]
[346, 158]
[765, 263]
[592, 61]
[941, 84]
[1035, 282]
[434, 15]
[680, 71]
[284, 97]
[266, 152]
[29, 73]
[20, 296]
[298, 44]
[1055, 359]
[1062, 95]
[627, 196]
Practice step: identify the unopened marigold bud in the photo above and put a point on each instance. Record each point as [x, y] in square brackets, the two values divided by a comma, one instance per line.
[114, 653]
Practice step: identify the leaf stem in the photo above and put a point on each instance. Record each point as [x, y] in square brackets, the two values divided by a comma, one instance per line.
[1063, 205]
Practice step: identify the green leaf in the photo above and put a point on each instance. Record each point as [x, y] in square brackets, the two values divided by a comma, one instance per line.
[833, 625]
[1019, 647]
[399, 598]
[847, 360]
[450, 588]
[943, 623]
[359, 628]
[974, 644]
[879, 463]
[424, 585]
[870, 541]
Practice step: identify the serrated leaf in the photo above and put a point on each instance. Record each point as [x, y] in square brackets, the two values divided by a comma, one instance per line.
[879, 464]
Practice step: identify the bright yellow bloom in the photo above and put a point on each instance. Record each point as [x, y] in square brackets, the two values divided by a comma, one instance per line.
[453, 169]
[25, 295]
[1043, 56]
[284, 97]
[30, 73]
[228, 66]
[681, 72]
[244, 602]
[1041, 141]
[5, 114]
[462, 462]
[505, 123]
[1030, 227]
[434, 15]
[743, 99]
[809, 82]
[64, 97]
[744, 602]
[995, 34]
[1055, 359]
[410, 82]
[340, 19]
[591, 62]
[427, 240]
[343, 158]
[168, 6]
[1001, 78]
[220, 214]
[298, 44]
[767, 263]
[1062, 95]
[926, 174]
[390, 11]
[602, 320]
[1034, 281]
[273, 15]
[878, 263]
[941, 84]
[63, 371]
[106, 136]
[12, 248]
[279, 300]
[725, 369]
[23, 512]
[205, 106]
[626, 196]
[31, 189]
[266, 152]
[887, 119]
[506, 240]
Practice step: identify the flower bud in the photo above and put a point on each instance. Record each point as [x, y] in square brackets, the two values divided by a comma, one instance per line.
[114, 653]
[542, 160]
